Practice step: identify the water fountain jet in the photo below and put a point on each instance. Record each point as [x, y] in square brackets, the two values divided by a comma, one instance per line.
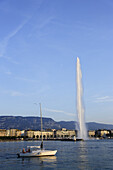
[82, 131]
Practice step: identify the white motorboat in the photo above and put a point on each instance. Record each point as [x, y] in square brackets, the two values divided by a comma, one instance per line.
[37, 151]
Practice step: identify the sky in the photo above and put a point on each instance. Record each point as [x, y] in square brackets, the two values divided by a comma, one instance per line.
[40, 41]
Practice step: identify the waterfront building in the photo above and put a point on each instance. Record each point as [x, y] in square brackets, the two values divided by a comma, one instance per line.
[23, 133]
[18, 133]
[64, 133]
[111, 131]
[102, 133]
[46, 134]
[13, 132]
[37, 134]
[2, 132]
[51, 134]
[8, 132]
[29, 133]
[91, 133]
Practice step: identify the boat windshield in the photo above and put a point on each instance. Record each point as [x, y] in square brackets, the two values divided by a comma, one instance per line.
[33, 146]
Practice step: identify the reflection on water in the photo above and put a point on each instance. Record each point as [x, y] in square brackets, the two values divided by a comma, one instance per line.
[49, 159]
[82, 154]
[46, 161]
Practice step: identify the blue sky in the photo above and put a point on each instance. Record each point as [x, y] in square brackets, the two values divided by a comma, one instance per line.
[39, 45]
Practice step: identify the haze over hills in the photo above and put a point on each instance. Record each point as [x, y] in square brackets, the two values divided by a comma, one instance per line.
[19, 122]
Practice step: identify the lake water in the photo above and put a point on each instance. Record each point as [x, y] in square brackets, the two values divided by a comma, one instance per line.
[92, 155]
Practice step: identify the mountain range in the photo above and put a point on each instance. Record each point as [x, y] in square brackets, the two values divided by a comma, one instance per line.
[19, 122]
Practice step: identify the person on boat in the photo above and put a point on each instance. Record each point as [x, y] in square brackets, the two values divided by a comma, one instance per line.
[29, 149]
[41, 146]
[23, 150]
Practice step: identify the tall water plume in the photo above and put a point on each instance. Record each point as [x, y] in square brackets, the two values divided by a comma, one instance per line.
[82, 131]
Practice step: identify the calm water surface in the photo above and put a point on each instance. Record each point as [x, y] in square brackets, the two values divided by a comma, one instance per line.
[92, 155]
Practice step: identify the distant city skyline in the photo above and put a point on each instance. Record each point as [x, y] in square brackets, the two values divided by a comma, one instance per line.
[39, 45]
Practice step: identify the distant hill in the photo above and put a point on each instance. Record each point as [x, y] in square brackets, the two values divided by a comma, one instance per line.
[19, 122]
[89, 125]
[67, 124]
[96, 126]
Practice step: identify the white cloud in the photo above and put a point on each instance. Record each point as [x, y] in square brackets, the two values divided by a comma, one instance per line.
[15, 93]
[4, 43]
[59, 111]
[12, 93]
[103, 99]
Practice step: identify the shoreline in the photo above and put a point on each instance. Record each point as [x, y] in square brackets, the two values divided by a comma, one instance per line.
[66, 140]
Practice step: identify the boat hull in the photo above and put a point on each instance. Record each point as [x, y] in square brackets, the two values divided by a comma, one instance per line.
[38, 153]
